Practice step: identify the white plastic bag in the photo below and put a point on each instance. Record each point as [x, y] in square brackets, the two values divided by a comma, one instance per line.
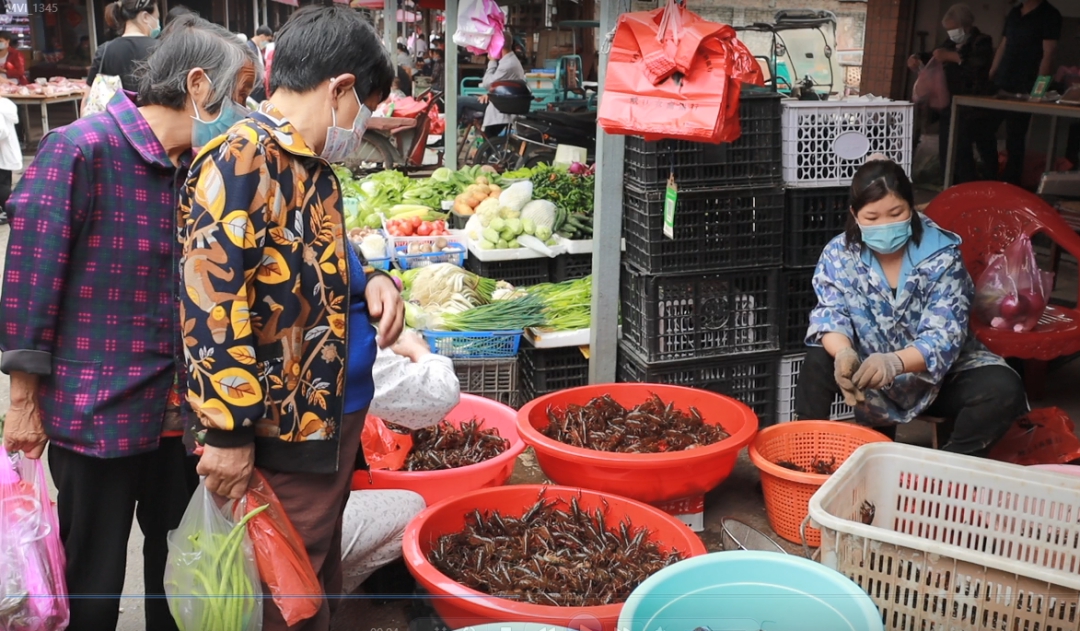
[211, 579]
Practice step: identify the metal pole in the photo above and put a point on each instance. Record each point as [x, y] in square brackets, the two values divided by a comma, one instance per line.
[254, 17]
[227, 16]
[950, 151]
[390, 26]
[450, 79]
[265, 14]
[91, 26]
[607, 226]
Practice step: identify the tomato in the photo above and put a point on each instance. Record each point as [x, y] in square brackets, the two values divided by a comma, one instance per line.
[416, 221]
[407, 230]
[424, 230]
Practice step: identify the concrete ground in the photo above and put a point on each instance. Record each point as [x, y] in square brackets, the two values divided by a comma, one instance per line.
[739, 496]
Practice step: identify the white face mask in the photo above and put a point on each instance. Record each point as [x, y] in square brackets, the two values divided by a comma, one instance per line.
[957, 35]
[341, 142]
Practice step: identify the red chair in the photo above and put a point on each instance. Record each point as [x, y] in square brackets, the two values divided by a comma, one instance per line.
[989, 216]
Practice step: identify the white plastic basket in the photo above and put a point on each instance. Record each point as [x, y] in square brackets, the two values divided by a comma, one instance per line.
[790, 365]
[825, 142]
[954, 542]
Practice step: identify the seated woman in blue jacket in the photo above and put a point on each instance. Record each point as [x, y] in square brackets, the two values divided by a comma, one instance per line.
[890, 330]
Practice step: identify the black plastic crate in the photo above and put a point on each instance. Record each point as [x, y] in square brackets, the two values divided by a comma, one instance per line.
[812, 218]
[754, 158]
[495, 378]
[700, 315]
[797, 292]
[547, 370]
[570, 267]
[751, 379]
[714, 229]
[518, 273]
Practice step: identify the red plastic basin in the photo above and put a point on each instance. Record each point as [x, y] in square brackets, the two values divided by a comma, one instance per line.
[650, 478]
[462, 607]
[436, 486]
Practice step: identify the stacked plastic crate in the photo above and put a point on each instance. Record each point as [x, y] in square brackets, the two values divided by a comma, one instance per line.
[702, 308]
[824, 143]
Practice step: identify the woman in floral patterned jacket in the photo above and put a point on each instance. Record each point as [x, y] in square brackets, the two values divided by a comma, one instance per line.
[891, 325]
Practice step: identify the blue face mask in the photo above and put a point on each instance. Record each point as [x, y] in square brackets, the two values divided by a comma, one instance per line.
[202, 132]
[886, 238]
[154, 32]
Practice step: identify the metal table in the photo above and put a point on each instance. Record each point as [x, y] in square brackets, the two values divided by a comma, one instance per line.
[1053, 110]
[45, 101]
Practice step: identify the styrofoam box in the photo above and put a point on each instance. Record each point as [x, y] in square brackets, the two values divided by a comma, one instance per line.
[953, 542]
[825, 142]
[790, 366]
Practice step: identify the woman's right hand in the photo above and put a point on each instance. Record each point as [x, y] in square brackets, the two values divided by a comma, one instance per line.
[23, 430]
[845, 364]
[914, 63]
[412, 345]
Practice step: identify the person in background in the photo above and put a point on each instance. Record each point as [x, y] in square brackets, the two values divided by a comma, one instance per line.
[438, 70]
[420, 45]
[89, 312]
[177, 11]
[890, 329]
[504, 66]
[81, 56]
[263, 38]
[414, 388]
[965, 56]
[404, 60]
[12, 64]
[1026, 52]
[140, 24]
[11, 159]
[286, 312]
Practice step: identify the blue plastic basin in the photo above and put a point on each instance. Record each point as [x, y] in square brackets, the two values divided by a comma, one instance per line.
[749, 591]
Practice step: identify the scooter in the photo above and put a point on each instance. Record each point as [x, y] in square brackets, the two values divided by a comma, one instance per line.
[541, 133]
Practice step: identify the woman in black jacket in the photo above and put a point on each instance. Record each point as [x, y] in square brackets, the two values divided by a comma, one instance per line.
[966, 56]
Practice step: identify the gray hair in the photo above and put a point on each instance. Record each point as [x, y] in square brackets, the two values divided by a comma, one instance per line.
[961, 14]
[190, 42]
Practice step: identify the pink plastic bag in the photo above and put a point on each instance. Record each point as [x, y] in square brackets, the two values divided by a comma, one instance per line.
[1012, 292]
[480, 27]
[33, 594]
[931, 87]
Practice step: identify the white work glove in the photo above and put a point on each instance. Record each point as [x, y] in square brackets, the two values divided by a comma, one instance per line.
[878, 371]
[845, 364]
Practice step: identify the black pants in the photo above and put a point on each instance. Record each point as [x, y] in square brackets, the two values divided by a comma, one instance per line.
[97, 499]
[5, 188]
[970, 133]
[1016, 129]
[979, 404]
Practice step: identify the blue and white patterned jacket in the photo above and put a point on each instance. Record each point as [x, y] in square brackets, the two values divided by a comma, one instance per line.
[929, 311]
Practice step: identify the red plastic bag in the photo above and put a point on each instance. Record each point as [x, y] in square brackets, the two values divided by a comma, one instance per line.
[383, 447]
[931, 88]
[1044, 436]
[1012, 292]
[280, 554]
[672, 74]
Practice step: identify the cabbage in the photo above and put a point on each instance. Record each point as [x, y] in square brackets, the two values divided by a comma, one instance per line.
[516, 196]
[541, 213]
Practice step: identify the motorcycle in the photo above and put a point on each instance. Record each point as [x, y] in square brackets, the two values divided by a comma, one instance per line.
[397, 142]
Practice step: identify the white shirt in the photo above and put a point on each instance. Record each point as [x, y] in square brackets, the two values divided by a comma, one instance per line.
[413, 395]
[10, 151]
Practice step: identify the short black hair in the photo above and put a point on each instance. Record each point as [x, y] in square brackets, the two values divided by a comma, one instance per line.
[7, 35]
[264, 30]
[873, 182]
[319, 43]
[403, 48]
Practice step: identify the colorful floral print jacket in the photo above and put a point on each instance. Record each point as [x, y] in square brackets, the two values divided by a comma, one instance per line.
[265, 296]
[929, 311]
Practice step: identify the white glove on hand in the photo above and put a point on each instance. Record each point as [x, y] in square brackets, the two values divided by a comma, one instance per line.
[878, 371]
